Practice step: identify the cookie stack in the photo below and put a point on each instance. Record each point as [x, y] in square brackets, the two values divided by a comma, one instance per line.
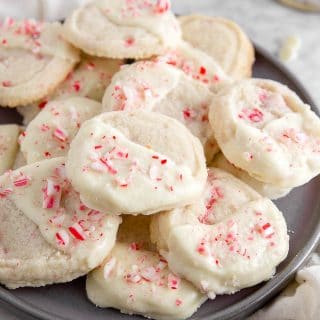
[148, 157]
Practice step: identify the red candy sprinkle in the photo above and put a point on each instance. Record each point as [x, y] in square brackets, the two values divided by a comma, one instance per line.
[164, 161]
[254, 115]
[129, 42]
[62, 238]
[42, 104]
[6, 83]
[173, 281]
[60, 135]
[77, 232]
[51, 195]
[202, 70]
[76, 86]
[162, 6]
[21, 182]
[178, 302]
[5, 193]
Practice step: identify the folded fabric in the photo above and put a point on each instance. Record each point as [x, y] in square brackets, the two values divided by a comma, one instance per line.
[300, 301]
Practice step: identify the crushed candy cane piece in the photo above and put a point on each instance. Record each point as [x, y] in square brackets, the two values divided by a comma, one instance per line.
[108, 267]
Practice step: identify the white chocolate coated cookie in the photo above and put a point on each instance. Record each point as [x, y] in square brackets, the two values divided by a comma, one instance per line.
[233, 240]
[265, 189]
[162, 88]
[34, 61]
[118, 156]
[8, 146]
[196, 64]
[140, 282]
[50, 133]
[222, 195]
[90, 80]
[221, 39]
[123, 29]
[265, 129]
[47, 234]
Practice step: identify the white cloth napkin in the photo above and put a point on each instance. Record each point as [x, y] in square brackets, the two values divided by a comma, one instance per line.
[301, 300]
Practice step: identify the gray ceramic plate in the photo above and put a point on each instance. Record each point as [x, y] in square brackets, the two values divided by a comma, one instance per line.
[301, 209]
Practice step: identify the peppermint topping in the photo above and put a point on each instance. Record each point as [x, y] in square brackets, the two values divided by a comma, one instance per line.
[51, 195]
[108, 267]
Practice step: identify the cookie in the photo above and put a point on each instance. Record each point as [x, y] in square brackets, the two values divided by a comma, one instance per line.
[221, 39]
[19, 161]
[196, 64]
[134, 276]
[162, 88]
[135, 230]
[89, 80]
[49, 134]
[123, 29]
[264, 128]
[233, 240]
[118, 156]
[8, 146]
[47, 234]
[34, 61]
[265, 189]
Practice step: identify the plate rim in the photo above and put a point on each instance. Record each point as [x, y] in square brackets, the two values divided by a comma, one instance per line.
[255, 300]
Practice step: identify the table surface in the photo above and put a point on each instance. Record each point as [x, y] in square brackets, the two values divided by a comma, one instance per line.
[275, 23]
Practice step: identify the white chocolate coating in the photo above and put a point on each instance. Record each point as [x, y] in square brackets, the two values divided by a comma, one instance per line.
[268, 190]
[232, 240]
[35, 60]
[196, 64]
[8, 146]
[265, 129]
[123, 29]
[50, 133]
[162, 88]
[118, 156]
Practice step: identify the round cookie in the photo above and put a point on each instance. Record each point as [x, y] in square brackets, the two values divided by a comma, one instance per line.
[8, 146]
[47, 234]
[50, 133]
[162, 88]
[196, 64]
[90, 79]
[265, 129]
[34, 61]
[221, 39]
[118, 156]
[232, 239]
[265, 189]
[123, 29]
[134, 276]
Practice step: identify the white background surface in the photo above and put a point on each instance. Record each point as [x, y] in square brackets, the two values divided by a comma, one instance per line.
[268, 24]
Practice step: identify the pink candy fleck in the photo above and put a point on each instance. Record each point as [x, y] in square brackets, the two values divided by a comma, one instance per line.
[60, 135]
[77, 232]
[51, 195]
[62, 238]
[108, 267]
[173, 281]
[162, 6]
[22, 182]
